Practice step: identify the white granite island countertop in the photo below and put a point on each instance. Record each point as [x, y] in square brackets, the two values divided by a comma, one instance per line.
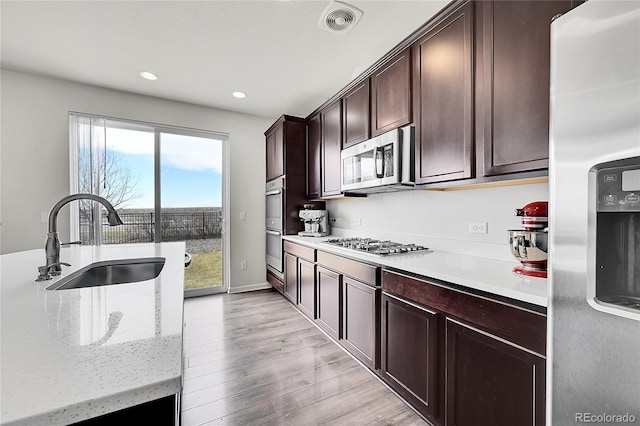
[475, 273]
[71, 355]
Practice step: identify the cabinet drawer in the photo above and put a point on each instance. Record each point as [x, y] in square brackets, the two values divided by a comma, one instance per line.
[275, 282]
[361, 271]
[517, 325]
[303, 252]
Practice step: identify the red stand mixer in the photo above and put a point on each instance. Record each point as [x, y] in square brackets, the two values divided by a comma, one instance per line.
[529, 245]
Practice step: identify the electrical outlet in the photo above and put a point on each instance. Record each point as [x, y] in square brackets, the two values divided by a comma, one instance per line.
[243, 264]
[478, 228]
[358, 221]
[243, 215]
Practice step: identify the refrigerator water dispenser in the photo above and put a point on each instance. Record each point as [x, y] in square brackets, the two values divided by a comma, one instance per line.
[614, 267]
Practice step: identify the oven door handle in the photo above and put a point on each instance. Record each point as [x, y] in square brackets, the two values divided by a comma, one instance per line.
[379, 162]
[274, 192]
[273, 232]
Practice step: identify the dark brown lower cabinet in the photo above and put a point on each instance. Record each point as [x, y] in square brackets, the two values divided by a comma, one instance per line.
[459, 359]
[410, 364]
[360, 316]
[328, 313]
[481, 359]
[291, 278]
[490, 381]
[307, 288]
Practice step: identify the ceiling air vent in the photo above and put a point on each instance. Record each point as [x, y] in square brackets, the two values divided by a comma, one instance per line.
[339, 17]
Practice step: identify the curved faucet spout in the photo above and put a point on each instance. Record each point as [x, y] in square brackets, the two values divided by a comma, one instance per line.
[52, 244]
[112, 215]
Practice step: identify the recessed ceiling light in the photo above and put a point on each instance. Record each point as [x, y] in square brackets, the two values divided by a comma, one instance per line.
[239, 95]
[148, 75]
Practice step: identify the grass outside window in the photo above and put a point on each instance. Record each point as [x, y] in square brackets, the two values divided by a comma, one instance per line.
[205, 270]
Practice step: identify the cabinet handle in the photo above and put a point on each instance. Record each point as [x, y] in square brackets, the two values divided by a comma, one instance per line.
[273, 232]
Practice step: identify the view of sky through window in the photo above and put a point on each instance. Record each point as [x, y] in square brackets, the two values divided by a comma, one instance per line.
[191, 167]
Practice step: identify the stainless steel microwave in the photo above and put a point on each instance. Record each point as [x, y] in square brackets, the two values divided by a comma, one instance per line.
[381, 164]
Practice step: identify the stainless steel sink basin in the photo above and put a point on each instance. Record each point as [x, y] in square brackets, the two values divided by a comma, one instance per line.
[109, 272]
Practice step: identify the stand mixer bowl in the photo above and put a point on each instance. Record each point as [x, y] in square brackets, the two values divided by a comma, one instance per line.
[530, 248]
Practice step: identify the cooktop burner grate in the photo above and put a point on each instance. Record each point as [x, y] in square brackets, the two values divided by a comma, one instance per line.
[370, 245]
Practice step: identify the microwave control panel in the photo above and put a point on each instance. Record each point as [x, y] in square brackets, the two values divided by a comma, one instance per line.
[618, 188]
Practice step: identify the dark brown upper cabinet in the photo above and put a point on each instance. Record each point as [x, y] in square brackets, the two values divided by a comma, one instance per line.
[285, 148]
[391, 94]
[513, 108]
[314, 142]
[331, 125]
[443, 98]
[275, 152]
[355, 104]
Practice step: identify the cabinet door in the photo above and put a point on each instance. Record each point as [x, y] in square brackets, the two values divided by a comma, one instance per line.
[275, 153]
[291, 278]
[410, 355]
[356, 115]
[360, 329]
[492, 382]
[270, 153]
[278, 152]
[307, 288]
[314, 140]
[331, 147]
[515, 96]
[391, 94]
[329, 284]
[443, 96]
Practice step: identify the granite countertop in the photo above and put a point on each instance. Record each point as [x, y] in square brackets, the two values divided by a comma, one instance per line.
[476, 273]
[70, 355]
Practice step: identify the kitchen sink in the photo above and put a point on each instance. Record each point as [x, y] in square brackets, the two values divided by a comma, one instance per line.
[109, 272]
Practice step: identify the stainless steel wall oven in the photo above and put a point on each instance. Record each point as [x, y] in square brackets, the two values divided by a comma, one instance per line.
[274, 223]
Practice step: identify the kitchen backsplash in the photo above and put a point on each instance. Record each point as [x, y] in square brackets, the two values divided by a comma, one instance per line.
[439, 219]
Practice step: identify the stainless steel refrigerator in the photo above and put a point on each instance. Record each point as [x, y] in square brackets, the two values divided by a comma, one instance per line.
[593, 363]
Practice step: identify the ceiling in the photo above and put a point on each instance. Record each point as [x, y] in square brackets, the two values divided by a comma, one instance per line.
[203, 51]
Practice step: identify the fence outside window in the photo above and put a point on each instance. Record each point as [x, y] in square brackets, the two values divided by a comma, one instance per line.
[140, 226]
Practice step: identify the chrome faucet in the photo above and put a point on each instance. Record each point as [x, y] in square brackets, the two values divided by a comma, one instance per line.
[52, 245]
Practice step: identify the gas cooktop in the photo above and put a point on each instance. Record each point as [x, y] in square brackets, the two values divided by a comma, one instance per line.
[369, 245]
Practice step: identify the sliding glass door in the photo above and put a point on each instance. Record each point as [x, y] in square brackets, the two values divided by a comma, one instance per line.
[166, 183]
[191, 206]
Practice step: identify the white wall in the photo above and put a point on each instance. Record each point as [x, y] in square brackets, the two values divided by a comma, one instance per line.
[439, 219]
[35, 159]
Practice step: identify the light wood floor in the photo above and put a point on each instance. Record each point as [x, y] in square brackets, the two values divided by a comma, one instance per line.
[253, 359]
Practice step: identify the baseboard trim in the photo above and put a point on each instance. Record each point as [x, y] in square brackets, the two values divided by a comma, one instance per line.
[250, 287]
